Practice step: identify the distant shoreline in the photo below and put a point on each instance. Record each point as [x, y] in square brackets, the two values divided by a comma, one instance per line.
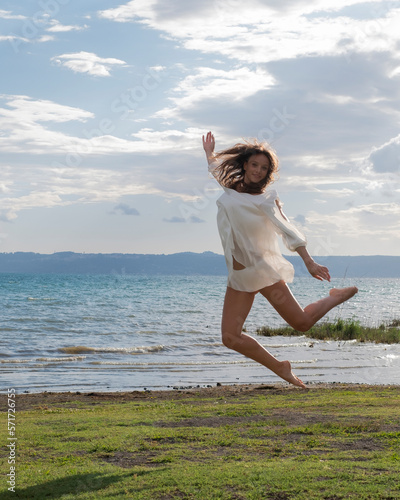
[184, 263]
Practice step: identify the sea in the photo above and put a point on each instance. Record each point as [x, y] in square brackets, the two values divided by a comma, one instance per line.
[134, 332]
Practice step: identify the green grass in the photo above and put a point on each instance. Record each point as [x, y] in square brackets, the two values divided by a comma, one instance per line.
[261, 443]
[342, 330]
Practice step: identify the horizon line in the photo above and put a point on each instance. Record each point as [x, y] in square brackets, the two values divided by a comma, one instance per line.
[293, 254]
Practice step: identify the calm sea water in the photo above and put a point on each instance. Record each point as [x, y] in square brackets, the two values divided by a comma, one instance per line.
[112, 333]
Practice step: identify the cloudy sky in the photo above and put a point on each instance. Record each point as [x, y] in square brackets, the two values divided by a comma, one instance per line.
[103, 105]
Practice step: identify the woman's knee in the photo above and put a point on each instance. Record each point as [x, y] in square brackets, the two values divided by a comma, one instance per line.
[301, 324]
[230, 340]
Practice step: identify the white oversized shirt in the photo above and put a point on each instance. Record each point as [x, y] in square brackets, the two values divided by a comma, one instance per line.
[248, 226]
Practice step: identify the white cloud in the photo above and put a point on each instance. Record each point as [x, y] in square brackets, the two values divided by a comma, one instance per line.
[56, 186]
[87, 62]
[386, 158]
[130, 11]
[26, 110]
[323, 69]
[256, 31]
[146, 141]
[336, 193]
[4, 187]
[158, 68]
[206, 84]
[57, 27]
[318, 5]
[16, 40]
[28, 125]
[94, 184]
[214, 11]
[7, 14]
[375, 220]
[311, 182]
[37, 198]
[45, 38]
[155, 142]
[7, 216]
[13, 38]
[21, 124]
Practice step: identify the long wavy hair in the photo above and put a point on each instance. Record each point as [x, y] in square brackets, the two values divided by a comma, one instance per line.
[230, 172]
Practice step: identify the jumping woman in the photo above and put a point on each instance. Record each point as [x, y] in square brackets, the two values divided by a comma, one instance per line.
[249, 219]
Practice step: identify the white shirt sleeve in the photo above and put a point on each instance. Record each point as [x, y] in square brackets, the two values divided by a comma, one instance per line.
[291, 236]
[212, 166]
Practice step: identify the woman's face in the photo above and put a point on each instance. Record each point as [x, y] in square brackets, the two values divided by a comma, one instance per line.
[256, 168]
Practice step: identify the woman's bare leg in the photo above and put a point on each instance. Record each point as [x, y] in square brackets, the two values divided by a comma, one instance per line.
[237, 306]
[281, 298]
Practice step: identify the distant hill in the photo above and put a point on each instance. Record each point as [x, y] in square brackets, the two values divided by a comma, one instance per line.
[186, 263]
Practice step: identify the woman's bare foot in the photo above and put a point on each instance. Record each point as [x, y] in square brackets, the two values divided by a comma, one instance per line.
[286, 373]
[343, 294]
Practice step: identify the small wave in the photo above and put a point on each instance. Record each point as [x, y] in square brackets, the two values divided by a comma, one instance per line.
[47, 359]
[175, 363]
[206, 344]
[15, 361]
[99, 319]
[190, 331]
[304, 361]
[41, 298]
[294, 344]
[80, 349]
[179, 311]
[389, 356]
[63, 359]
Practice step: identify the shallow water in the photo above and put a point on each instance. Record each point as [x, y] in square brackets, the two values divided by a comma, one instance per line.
[68, 332]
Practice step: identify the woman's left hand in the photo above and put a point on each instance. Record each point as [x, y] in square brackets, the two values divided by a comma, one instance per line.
[317, 271]
[209, 145]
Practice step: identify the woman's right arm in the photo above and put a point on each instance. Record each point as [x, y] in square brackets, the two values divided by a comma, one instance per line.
[316, 270]
[293, 239]
[209, 146]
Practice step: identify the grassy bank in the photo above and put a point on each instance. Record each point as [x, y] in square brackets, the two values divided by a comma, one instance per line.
[342, 330]
[250, 442]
